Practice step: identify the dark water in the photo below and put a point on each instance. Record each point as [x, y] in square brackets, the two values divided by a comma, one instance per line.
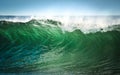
[35, 47]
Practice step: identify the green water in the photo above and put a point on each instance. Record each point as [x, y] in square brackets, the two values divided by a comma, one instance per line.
[34, 46]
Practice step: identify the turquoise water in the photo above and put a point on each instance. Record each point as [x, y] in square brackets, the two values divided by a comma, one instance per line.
[35, 46]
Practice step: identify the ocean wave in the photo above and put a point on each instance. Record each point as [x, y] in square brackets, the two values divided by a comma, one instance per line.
[45, 46]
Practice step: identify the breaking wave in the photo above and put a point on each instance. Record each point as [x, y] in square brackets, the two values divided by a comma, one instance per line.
[48, 45]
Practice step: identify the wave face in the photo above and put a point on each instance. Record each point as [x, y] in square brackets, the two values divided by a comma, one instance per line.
[43, 46]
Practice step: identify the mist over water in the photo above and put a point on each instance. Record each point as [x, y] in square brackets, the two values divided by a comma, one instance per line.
[60, 45]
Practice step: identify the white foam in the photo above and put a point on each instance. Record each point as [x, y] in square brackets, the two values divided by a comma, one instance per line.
[17, 18]
[85, 23]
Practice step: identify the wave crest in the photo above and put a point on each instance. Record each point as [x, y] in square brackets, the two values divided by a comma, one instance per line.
[85, 26]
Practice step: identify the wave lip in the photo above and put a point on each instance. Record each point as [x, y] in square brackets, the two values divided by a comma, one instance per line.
[84, 24]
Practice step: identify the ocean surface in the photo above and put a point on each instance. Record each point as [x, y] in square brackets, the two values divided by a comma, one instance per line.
[84, 45]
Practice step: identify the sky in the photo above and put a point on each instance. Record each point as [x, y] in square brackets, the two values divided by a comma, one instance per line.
[59, 7]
